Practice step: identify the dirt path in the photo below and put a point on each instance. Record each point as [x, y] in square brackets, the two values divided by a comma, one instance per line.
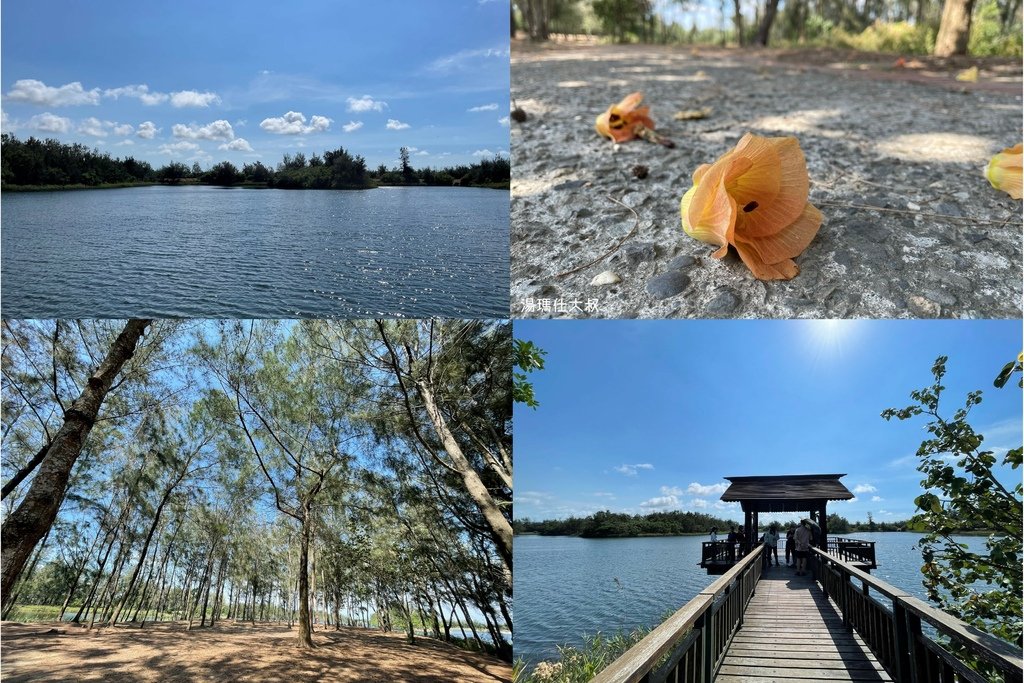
[229, 652]
[896, 156]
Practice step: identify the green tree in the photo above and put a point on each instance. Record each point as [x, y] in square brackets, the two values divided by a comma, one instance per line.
[962, 488]
[528, 357]
[408, 174]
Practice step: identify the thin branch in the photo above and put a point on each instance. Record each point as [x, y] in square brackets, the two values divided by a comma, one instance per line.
[613, 249]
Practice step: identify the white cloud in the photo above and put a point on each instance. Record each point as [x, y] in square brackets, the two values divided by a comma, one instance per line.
[864, 488]
[395, 124]
[852, 500]
[147, 130]
[140, 92]
[709, 490]
[467, 59]
[483, 153]
[352, 126]
[294, 123]
[123, 129]
[422, 153]
[237, 145]
[48, 123]
[876, 499]
[124, 143]
[661, 503]
[504, 121]
[36, 92]
[631, 470]
[671, 490]
[218, 130]
[178, 148]
[699, 503]
[93, 126]
[191, 98]
[365, 103]
[484, 107]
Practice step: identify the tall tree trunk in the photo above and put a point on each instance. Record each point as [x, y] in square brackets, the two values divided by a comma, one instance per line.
[305, 634]
[770, 8]
[33, 518]
[737, 18]
[955, 29]
[28, 575]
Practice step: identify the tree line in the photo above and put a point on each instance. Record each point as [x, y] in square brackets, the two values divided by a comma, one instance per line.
[50, 163]
[311, 473]
[607, 524]
[943, 28]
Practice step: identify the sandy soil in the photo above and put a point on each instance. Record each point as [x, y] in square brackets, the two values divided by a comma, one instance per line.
[895, 154]
[229, 652]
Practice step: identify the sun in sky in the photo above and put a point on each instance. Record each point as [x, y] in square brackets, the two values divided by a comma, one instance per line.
[207, 82]
[648, 416]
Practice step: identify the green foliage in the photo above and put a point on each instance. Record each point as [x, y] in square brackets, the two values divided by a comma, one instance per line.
[528, 357]
[580, 664]
[899, 37]
[837, 524]
[49, 162]
[622, 19]
[607, 524]
[224, 174]
[989, 36]
[961, 488]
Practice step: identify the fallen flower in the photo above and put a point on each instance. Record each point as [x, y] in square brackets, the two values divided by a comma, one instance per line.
[755, 199]
[628, 120]
[1004, 171]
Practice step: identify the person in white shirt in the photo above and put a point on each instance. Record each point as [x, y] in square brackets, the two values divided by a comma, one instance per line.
[802, 546]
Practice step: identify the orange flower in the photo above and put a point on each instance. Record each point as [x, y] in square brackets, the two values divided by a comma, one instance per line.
[754, 198]
[1004, 171]
[621, 122]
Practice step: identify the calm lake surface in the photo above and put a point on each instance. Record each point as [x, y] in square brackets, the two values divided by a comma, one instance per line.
[566, 587]
[231, 252]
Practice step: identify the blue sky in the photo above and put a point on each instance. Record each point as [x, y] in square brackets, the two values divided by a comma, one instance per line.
[243, 81]
[651, 415]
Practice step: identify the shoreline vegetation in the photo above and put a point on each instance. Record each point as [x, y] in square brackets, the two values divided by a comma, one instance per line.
[607, 524]
[35, 165]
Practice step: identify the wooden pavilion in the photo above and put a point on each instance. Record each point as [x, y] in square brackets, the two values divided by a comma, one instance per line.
[807, 493]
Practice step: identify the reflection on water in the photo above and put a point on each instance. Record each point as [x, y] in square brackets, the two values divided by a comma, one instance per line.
[215, 252]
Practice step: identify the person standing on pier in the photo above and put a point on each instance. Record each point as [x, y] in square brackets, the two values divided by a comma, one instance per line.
[802, 546]
[790, 556]
[733, 539]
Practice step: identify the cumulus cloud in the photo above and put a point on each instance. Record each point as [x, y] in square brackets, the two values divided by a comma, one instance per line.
[395, 124]
[237, 145]
[631, 470]
[48, 123]
[876, 499]
[191, 98]
[124, 143]
[483, 153]
[139, 92]
[503, 121]
[352, 126]
[696, 489]
[661, 503]
[484, 107]
[365, 103]
[123, 129]
[864, 488]
[294, 123]
[178, 148]
[218, 130]
[93, 126]
[36, 92]
[699, 503]
[147, 130]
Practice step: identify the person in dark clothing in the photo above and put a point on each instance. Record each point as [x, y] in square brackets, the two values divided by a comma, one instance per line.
[790, 545]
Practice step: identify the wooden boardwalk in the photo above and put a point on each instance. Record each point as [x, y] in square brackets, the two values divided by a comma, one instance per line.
[791, 632]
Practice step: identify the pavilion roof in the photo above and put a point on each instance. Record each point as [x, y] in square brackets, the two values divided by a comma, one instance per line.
[786, 493]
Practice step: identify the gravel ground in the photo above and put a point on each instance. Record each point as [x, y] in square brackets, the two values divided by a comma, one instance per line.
[928, 236]
[233, 652]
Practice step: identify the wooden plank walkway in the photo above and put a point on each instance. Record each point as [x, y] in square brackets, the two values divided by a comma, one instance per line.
[791, 632]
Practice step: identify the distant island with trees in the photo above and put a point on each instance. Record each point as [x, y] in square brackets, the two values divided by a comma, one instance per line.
[35, 164]
[607, 524]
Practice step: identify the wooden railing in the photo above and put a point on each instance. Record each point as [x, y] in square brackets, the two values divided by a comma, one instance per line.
[890, 623]
[852, 550]
[689, 645]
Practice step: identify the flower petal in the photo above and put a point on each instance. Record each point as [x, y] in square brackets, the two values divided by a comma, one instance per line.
[708, 212]
[1004, 171]
[788, 242]
[775, 186]
[630, 102]
[784, 270]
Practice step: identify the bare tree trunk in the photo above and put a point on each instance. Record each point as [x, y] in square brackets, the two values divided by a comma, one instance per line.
[955, 29]
[763, 33]
[34, 516]
[305, 634]
[28, 575]
[737, 18]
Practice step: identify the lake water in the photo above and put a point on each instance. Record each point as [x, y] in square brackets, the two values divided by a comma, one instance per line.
[566, 587]
[231, 252]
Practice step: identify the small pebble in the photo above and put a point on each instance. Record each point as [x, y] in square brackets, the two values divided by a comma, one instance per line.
[667, 284]
[923, 308]
[913, 207]
[608, 277]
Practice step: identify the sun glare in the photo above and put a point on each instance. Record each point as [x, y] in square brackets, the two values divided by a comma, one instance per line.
[830, 338]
